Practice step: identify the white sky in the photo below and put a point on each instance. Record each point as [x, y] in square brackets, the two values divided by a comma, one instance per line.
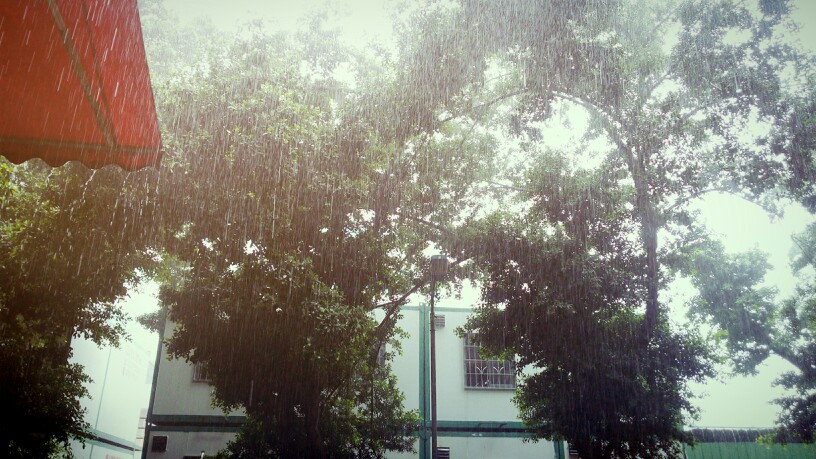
[360, 21]
[731, 402]
[748, 401]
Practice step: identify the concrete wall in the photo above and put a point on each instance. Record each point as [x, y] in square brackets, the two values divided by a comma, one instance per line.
[474, 423]
[183, 412]
[118, 392]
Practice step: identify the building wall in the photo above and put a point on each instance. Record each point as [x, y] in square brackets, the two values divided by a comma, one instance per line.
[182, 411]
[473, 423]
[117, 393]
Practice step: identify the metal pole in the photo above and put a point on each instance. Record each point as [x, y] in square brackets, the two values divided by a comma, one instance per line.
[439, 265]
[101, 396]
[433, 369]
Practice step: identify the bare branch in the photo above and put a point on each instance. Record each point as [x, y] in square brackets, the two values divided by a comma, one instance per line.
[717, 189]
[609, 124]
[485, 105]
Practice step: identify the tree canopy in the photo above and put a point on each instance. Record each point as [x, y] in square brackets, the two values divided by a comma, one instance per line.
[283, 203]
[681, 100]
[303, 182]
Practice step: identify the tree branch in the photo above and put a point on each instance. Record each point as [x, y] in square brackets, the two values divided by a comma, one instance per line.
[393, 306]
[422, 221]
[720, 189]
[484, 105]
[607, 120]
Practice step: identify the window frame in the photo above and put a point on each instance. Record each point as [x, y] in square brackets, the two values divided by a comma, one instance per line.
[159, 446]
[495, 369]
[200, 374]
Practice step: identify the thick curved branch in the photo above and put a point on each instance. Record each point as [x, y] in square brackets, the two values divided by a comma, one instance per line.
[680, 202]
[484, 105]
[608, 122]
[392, 307]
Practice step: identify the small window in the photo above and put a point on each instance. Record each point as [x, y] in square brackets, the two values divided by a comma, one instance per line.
[200, 373]
[159, 444]
[486, 374]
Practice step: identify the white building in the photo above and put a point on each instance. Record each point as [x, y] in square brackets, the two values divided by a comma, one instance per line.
[476, 415]
[117, 396]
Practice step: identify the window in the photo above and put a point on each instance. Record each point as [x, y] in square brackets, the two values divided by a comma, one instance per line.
[199, 373]
[486, 374]
[159, 444]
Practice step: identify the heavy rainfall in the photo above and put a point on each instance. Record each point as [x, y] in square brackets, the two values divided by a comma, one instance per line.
[622, 194]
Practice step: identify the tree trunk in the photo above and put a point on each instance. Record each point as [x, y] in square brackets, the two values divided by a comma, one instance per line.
[648, 222]
[650, 243]
[589, 450]
[315, 448]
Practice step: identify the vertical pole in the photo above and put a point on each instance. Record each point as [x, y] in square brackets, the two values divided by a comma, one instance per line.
[433, 369]
[152, 402]
[101, 396]
[424, 383]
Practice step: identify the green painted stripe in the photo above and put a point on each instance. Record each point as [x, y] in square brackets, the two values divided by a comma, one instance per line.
[482, 424]
[424, 430]
[106, 445]
[108, 438]
[560, 449]
[196, 428]
[436, 308]
[443, 433]
[487, 429]
[193, 423]
[514, 429]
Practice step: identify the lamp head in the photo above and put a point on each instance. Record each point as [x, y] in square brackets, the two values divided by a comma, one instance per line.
[439, 266]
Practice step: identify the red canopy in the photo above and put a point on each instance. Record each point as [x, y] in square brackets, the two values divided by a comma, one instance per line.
[74, 84]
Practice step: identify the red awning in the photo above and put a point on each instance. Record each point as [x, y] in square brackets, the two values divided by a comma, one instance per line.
[74, 84]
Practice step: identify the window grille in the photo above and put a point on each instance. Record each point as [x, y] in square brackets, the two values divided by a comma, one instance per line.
[199, 373]
[486, 374]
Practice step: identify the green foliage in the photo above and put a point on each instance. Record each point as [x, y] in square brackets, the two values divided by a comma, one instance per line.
[675, 92]
[291, 202]
[69, 245]
[41, 393]
[755, 324]
[277, 274]
[562, 293]
[729, 295]
[361, 424]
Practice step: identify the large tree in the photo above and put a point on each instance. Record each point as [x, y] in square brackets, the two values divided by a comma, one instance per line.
[684, 99]
[284, 196]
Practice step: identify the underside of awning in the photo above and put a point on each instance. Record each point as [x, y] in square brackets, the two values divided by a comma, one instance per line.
[74, 84]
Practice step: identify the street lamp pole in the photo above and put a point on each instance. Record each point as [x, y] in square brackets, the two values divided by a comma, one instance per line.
[439, 265]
